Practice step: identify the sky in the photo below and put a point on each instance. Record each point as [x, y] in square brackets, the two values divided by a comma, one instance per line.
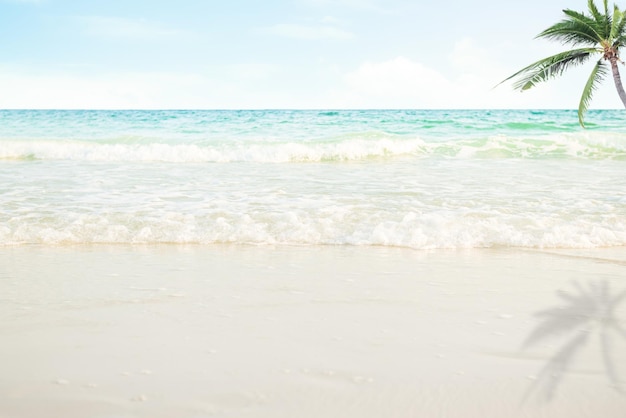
[287, 54]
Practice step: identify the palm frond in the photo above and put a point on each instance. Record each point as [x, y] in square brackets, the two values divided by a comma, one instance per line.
[620, 40]
[593, 9]
[593, 20]
[607, 17]
[595, 78]
[549, 67]
[618, 32]
[606, 6]
[603, 19]
[579, 30]
[618, 18]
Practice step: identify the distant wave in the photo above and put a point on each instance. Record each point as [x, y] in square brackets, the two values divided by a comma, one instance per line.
[349, 150]
[350, 147]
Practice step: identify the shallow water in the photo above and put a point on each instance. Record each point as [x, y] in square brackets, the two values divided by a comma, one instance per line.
[416, 179]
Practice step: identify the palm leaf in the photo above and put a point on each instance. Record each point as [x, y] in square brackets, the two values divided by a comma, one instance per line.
[549, 67]
[605, 3]
[584, 25]
[604, 19]
[618, 18]
[595, 78]
[593, 9]
[571, 32]
[595, 20]
[618, 31]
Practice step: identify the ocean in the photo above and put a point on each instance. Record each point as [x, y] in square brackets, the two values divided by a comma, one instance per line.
[419, 179]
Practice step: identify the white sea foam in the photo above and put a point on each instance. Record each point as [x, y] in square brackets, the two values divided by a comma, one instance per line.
[349, 148]
[354, 149]
[413, 230]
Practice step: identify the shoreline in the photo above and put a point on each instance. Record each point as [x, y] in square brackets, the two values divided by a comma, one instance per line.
[238, 331]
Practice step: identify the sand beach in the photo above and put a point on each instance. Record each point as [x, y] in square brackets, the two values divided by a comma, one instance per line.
[326, 331]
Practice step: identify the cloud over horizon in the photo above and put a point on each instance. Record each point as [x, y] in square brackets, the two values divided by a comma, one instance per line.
[469, 82]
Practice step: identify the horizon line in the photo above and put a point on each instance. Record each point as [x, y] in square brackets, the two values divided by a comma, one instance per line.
[328, 109]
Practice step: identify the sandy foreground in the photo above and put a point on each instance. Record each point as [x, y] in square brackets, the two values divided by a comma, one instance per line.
[236, 331]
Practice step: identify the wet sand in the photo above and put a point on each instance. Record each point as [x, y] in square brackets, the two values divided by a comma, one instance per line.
[236, 331]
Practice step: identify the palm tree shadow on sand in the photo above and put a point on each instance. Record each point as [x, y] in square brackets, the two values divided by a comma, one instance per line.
[587, 312]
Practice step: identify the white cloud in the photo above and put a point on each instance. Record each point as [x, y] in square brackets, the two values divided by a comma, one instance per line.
[221, 87]
[106, 91]
[466, 56]
[310, 32]
[253, 71]
[124, 28]
[395, 83]
[466, 80]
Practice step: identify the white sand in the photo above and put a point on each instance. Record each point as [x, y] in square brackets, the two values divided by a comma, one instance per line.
[171, 331]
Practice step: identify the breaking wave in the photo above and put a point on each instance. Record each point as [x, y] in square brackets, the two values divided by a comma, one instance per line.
[353, 147]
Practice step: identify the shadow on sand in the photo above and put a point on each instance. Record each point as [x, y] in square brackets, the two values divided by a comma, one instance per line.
[584, 314]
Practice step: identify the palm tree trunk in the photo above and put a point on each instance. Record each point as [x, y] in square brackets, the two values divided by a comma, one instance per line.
[618, 80]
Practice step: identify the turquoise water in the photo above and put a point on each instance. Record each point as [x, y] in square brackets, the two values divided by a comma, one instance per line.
[417, 179]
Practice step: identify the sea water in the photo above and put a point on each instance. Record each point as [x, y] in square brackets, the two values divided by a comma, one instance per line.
[422, 179]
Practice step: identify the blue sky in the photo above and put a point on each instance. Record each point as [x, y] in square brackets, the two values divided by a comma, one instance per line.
[279, 54]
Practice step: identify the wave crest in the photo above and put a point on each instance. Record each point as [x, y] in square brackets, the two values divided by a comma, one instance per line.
[349, 147]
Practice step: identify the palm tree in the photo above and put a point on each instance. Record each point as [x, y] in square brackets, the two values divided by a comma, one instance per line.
[596, 33]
